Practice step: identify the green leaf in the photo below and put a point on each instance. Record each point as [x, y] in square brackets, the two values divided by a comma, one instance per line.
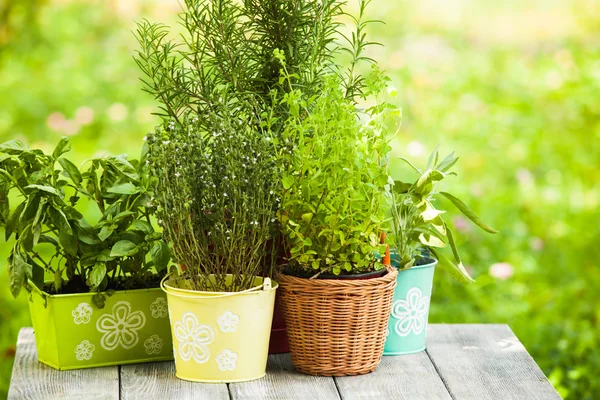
[49, 240]
[139, 225]
[160, 255]
[124, 248]
[62, 147]
[401, 187]
[425, 182]
[105, 256]
[96, 275]
[43, 188]
[60, 220]
[447, 163]
[411, 165]
[457, 271]
[12, 147]
[69, 242]
[125, 188]
[125, 167]
[122, 215]
[16, 273]
[287, 181]
[13, 220]
[468, 213]
[433, 157]
[306, 217]
[71, 170]
[85, 233]
[105, 232]
[99, 300]
[452, 244]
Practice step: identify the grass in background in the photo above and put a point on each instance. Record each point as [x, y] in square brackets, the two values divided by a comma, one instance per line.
[511, 87]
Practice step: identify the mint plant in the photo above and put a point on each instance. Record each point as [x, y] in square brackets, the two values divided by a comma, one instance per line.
[121, 250]
[418, 229]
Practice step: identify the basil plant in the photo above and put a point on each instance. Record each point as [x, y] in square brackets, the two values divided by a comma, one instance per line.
[56, 249]
[417, 227]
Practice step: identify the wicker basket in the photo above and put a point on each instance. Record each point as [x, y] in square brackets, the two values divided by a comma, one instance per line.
[337, 327]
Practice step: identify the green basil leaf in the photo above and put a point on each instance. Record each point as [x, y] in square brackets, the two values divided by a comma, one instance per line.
[124, 167]
[124, 248]
[60, 220]
[43, 188]
[105, 232]
[96, 275]
[16, 273]
[68, 242]
[12, 147]
[125, 188]
[144, 226]
[160, 255]
[13, 220]
[71, 170]
[62, 147]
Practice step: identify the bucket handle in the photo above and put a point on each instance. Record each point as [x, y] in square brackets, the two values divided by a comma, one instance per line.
[266, 285]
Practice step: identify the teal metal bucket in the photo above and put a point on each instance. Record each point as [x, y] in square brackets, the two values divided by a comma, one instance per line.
[407, 329]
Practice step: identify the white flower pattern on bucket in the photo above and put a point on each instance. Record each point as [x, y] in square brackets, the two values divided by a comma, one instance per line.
[193, 338]
[159, 308]
[411, 313]
[153, 344]
[228, 322]
[82, 314]
[227, 360]
[121, 327]
[84, 350]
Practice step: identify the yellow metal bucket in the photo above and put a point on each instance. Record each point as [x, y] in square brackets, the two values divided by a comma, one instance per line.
[220, 337]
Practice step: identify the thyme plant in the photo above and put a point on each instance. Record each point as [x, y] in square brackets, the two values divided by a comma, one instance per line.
[217, 194]
[418, 229]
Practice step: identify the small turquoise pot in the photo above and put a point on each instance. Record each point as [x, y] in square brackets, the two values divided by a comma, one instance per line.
[407, 329]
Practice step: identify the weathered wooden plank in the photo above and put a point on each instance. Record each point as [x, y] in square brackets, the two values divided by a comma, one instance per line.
[34, 380]
[158, 381]
[410, 377]
[486, 362]
[283, 382]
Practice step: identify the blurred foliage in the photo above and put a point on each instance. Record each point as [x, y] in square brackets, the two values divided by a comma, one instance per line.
[511, 86]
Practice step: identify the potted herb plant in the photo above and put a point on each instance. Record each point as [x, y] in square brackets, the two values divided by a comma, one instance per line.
[101, 304]
[216, 194]
[418, 233]
[230, 44]
[336, 293]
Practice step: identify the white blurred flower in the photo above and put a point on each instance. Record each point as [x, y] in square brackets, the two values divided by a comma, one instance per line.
[84, 115]
[415, 148]
[117, 112]
[502, 270]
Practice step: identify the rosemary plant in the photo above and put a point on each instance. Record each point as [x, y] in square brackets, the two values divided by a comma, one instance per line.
[230, 43]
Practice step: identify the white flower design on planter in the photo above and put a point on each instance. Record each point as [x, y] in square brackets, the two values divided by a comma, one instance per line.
[82, 314]
[228, 322]
[227, 360]
[121, 327]
[159, 308]
[193, 338]
[84, 350]
[153, 344]
[411, 313]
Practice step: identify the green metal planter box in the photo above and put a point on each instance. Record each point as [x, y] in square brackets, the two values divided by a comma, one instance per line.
[71, 332]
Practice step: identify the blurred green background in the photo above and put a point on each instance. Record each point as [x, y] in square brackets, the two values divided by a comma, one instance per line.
[513, 87]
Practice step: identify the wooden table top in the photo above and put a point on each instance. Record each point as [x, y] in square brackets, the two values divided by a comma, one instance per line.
[461, 362]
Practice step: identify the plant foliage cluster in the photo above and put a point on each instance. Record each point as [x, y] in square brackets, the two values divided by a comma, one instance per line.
[121, 250]
[520, 104]
[417, 227]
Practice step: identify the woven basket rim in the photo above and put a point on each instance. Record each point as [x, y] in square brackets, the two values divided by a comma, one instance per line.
[349, 283]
